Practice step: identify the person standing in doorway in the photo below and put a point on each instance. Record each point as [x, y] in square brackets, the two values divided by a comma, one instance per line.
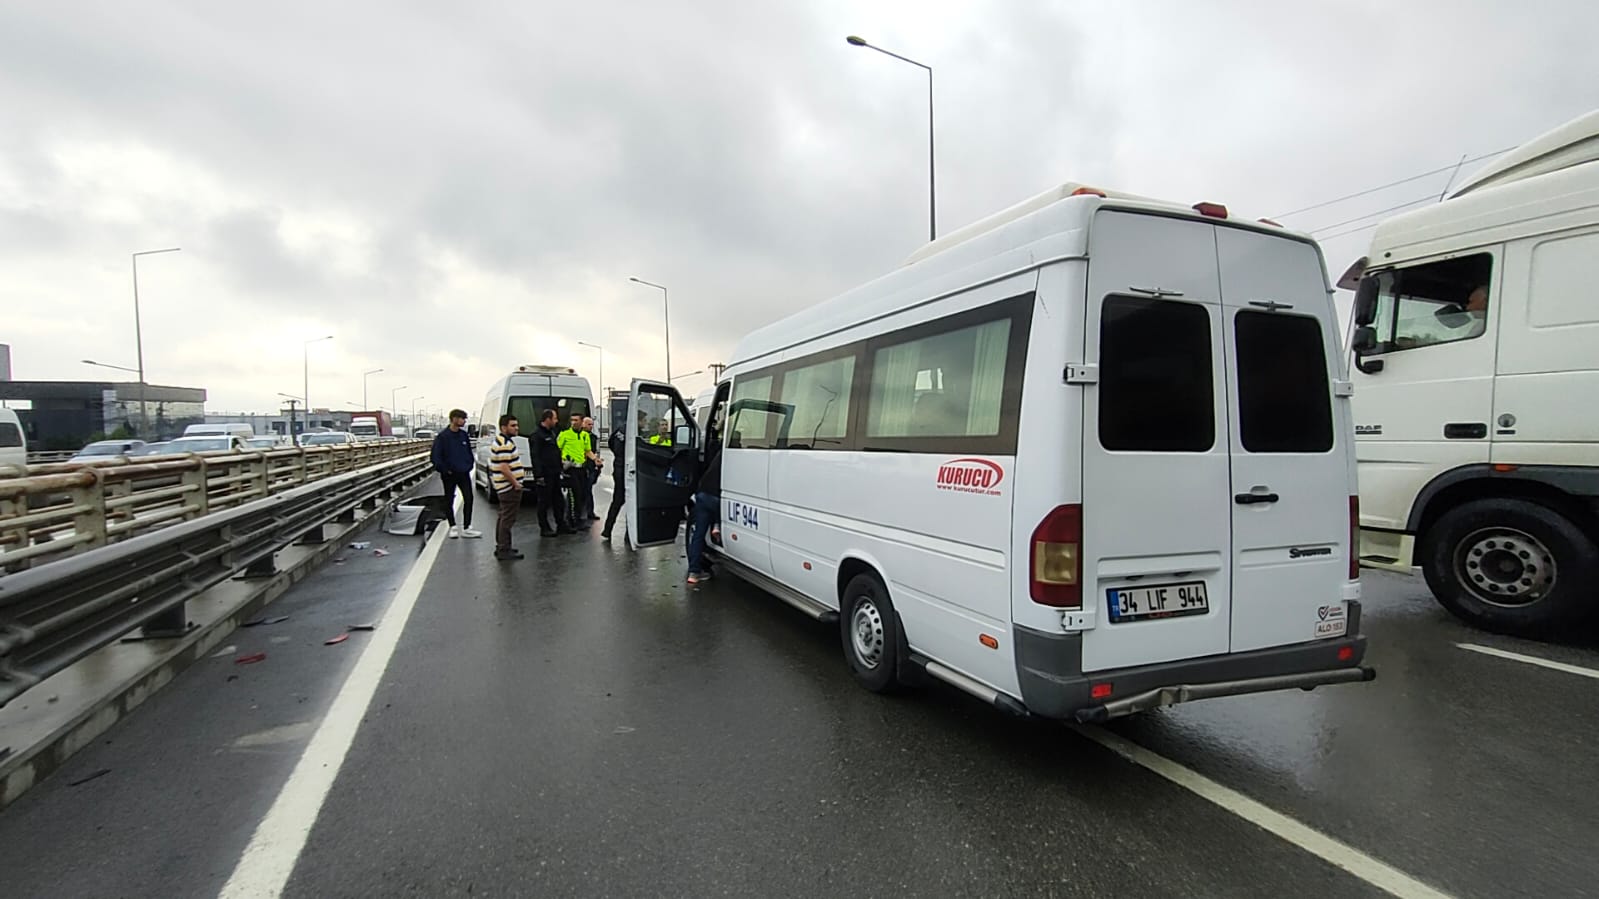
[618, 446]
[505, 471]
[707, 511]
[452, 459]
[547, 468]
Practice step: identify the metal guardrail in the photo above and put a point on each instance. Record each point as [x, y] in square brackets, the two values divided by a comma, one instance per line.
[65, 508]
[55, 614]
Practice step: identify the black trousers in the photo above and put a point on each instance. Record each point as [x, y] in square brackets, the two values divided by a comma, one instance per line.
[551, 510]
[618, 500]
[453, 480]
[582, 491]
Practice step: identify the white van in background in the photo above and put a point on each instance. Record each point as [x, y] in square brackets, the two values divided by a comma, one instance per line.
[1476, 356]
[1087, 457]
[13, 445]
[229, 428]
[526, 393]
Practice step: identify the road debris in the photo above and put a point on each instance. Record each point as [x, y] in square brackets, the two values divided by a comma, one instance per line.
[339, 639]
[225, 651]
[83, 780]
[361, 544]
[260, 621]
[250, 659]
[380, 551]
[364, 627]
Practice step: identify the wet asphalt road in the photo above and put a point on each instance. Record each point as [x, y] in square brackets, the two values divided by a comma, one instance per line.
[582, 723]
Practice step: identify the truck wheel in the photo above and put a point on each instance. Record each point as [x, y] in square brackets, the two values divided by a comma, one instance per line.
[1512, 566]
[870, 631]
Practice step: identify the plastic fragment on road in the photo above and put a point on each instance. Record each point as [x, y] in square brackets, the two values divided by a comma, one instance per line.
[280, 640]
[339, 639]
[361, 544]
[623, 729]
[364, 627]
[339, 560]
[250, 659]
[260, 621]
[380, 551]
[95, 776]
[225, 651]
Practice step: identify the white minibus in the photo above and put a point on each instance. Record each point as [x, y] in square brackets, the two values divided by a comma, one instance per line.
[526, 393]
[1090, 456]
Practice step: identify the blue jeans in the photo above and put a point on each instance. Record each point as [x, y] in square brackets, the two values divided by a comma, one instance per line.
[707, 507]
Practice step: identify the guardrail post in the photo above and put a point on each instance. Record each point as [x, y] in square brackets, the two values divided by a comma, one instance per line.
[314, 536]
[266, 566]
[199, 494]
[16, 536]
[90, 518]
[264, 475]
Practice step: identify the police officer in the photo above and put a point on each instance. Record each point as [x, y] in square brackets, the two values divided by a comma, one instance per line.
[618, 446]
[547, 468]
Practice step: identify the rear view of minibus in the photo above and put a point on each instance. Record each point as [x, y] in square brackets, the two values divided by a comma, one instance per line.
[1195, 540]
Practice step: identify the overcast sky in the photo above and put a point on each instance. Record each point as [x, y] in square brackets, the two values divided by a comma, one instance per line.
[452, 192]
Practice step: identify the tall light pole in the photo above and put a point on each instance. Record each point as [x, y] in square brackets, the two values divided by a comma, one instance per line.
[138, 339]
[697, 371]
[364, 376]
[394, 401]
[410, 424]
[666, 316]
[307, 374]
[932, 191]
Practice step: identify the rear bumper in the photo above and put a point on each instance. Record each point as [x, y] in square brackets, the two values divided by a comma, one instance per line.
[1053, 685]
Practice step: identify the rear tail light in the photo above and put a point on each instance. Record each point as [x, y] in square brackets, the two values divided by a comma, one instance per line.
[1101, 691]
[1354, 537]
[1055, 560]
[1214, 210]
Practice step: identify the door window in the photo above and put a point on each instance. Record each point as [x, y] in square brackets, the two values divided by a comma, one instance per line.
[1156, 389]
[750, 426]
[1284, 404]
[1435, 303]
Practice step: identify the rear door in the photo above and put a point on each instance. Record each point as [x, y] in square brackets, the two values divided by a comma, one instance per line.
[661, 463]
[1290, 455]
[1156, 494]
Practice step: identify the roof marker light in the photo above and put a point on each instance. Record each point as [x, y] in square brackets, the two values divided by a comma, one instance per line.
[1214, 210]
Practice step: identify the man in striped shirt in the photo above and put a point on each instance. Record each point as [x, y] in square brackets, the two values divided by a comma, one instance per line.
[505, 471]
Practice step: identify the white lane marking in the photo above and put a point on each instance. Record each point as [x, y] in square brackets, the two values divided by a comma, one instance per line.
[1378, 874]
[1530, 660]
[269, 860]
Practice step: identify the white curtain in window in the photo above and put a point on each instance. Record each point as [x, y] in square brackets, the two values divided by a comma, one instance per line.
[895, 372]
[988, 378]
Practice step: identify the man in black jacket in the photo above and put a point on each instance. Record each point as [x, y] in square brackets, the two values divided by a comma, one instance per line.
[547, 468]
[707, 509]
[453, 460]
[618, 446]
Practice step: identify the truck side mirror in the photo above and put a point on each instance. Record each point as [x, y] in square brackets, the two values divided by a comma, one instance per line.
[1366, 302]
[1363, 343]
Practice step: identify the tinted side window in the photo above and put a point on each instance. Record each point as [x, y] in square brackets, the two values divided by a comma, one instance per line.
[945, 385]
[1433, 303]
[749, 427]
[1284, 405]
[819, 397]
[1155, 381]
[10, 435]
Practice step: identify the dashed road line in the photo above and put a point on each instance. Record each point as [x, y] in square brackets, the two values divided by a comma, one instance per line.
[1530, 660]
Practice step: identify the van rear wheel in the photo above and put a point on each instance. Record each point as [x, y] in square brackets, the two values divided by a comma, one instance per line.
[1512, 566]
[870, 631]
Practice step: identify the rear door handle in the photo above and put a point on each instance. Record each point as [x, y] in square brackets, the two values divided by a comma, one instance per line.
[1249, 499]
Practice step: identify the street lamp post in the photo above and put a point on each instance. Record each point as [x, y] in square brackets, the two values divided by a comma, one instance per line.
[697, 371]
[364, 376]
[394, 400]
[306, 386]
[595, 346]
[138, 339]
[666, 315]
[932, 191]
[410, 425]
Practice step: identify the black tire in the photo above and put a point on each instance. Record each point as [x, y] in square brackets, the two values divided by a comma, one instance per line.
[1512, 566]
[869, 629]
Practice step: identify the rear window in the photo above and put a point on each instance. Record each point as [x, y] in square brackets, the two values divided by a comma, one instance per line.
[1284, 405]
[1155, 378]
[10, 434]
[529, 409]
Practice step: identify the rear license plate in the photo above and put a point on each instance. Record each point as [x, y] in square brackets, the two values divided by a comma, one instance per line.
[1157, 601]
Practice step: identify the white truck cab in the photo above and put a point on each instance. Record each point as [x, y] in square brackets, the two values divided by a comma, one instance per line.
[1090, 456]
[1476, 367]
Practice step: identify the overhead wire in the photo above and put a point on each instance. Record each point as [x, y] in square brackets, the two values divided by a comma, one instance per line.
[1360, 218]
[1371, 190]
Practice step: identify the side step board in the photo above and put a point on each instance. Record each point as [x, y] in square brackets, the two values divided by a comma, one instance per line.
[965, 684]
[793, 597]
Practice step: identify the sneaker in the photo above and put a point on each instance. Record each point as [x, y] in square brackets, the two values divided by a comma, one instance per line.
[605, 535]
[455, 531]
[471, 532]
[511, 556]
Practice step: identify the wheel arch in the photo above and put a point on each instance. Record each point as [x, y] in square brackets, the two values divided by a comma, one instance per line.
[1572, 491]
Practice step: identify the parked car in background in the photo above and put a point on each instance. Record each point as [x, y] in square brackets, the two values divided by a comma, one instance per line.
[265, 442]
[106, 450]
[423, 434]
[150, 449]
[218, 443]
[329, 438]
